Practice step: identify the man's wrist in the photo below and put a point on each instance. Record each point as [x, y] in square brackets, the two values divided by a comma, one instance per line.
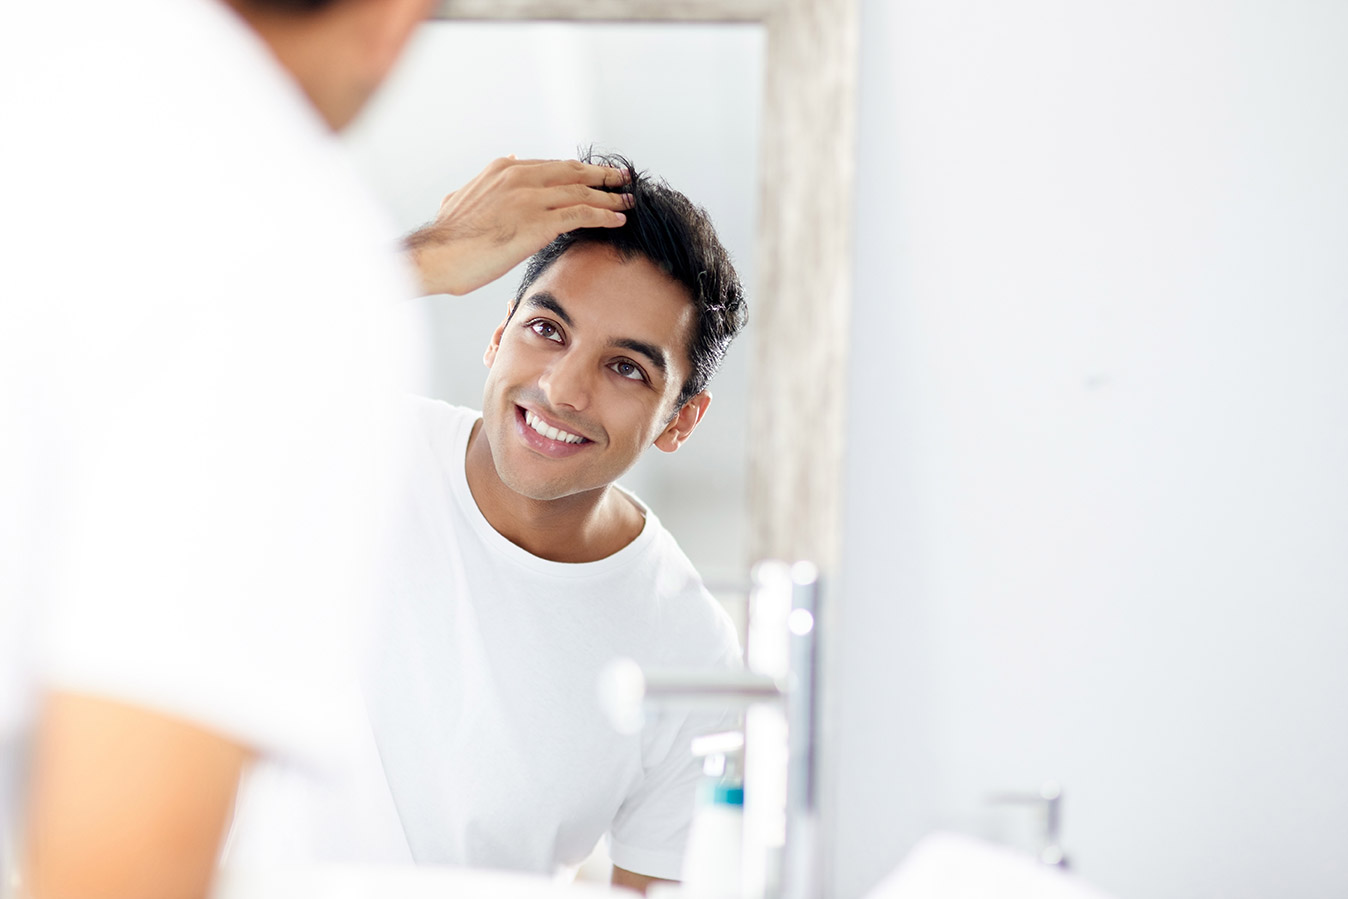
[417, 249]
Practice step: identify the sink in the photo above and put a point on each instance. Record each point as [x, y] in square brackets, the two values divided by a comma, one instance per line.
[405, 882]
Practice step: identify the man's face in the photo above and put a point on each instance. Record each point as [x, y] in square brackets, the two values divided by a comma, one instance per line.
[585, 373]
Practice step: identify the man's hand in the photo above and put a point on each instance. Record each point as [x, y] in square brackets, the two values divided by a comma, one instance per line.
[510, 211]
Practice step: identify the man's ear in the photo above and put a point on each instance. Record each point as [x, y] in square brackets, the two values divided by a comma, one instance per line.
[490, 355]
[677, 431]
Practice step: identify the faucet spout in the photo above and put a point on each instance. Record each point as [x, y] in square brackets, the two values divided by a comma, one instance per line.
[779, 693]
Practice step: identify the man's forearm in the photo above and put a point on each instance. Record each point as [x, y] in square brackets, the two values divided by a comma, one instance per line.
[125, 803]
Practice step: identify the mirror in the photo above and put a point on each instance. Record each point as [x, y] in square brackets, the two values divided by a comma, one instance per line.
[793, 252]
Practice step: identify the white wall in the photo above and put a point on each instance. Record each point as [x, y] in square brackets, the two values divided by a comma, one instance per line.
[680, 101]
[1097, 512]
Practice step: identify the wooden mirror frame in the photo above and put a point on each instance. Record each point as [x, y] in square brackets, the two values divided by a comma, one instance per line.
[801, 310]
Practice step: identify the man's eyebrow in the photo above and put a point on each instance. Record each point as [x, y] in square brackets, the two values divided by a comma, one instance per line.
[550, 303]
[655, 354]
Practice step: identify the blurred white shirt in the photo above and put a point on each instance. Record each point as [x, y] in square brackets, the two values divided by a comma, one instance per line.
[193, 356]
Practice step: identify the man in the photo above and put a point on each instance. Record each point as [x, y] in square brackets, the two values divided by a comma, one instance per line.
[519, 568]
[189, 370]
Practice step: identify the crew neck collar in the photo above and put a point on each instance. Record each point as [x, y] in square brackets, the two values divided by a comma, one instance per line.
[498, 543]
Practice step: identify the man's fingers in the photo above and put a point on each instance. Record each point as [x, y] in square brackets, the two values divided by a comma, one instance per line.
[554, 172]
[572, 217]
[608, 175]
[580, 195]
[605, 176]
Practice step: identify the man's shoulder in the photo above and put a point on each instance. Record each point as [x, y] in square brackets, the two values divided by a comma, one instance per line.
[429, 436]
[431, 412]
[434, 422]
[698, 631]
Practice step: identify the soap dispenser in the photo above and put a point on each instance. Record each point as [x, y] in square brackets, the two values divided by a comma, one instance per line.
[712, 865]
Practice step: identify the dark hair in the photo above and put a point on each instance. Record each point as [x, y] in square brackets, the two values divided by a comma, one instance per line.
[677, 237]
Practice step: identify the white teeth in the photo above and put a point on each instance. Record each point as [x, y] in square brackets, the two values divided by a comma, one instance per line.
[547, 430]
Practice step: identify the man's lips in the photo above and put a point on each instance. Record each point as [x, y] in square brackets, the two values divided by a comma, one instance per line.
[550, 430]
[548, 438]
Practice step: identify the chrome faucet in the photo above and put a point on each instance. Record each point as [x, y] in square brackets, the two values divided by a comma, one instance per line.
[1048, 802]
[779, 693]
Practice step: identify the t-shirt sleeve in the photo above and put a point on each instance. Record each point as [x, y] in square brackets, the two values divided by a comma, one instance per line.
[650, 830]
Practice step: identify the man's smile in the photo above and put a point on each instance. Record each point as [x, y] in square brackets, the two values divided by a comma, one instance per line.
[538, 424]
[547, 438]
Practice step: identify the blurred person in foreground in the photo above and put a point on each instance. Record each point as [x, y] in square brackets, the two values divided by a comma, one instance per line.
[192, 371]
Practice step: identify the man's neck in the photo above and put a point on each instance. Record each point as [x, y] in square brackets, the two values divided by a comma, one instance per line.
[583, 527]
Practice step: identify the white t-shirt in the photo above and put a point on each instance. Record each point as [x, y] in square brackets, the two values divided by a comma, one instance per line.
[193, 360]
[484, 692]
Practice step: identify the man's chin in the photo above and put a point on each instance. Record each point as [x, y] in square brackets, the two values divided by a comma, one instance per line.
[522, 477]
[537, 490]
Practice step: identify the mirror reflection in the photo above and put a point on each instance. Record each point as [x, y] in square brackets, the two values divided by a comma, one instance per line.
[682, 101]
[513, 574]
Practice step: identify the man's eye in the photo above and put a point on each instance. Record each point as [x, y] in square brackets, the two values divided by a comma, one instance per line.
[546, 329]
[628, 370]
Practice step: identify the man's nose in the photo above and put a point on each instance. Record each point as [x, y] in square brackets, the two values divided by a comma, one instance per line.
[568, 381]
